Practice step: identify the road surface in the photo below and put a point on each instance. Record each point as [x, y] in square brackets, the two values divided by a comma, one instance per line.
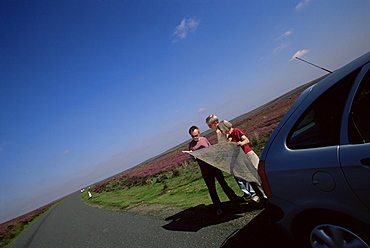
[71, 223]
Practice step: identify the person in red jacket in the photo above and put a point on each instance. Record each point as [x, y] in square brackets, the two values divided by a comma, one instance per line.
[237, 135]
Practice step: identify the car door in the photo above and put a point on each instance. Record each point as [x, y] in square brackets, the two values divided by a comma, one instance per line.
[305, 170]
[355, 132]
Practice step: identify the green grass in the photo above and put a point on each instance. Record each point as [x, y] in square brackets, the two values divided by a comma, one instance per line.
[185, 189]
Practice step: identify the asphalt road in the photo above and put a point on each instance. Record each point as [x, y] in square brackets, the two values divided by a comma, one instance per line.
[71, 223]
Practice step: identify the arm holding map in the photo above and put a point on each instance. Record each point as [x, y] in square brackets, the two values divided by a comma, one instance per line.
[228, 157]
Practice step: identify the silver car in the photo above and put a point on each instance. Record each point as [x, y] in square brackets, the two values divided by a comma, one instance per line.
[315, 168]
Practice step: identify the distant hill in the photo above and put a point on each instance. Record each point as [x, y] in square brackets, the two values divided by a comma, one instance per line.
[294, 92]
[182, 146]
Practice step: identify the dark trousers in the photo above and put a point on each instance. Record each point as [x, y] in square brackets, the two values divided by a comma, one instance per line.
[210, 181]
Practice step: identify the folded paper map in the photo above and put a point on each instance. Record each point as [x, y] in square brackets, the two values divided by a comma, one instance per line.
[228, 157]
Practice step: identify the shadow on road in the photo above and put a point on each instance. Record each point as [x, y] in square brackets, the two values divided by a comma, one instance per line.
[260, 232]
[196, 218]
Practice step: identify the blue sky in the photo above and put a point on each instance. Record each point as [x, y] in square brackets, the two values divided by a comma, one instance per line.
[91, 88]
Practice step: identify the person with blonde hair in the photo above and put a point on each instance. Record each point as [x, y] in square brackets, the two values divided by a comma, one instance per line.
[212, 122]
[237, 135]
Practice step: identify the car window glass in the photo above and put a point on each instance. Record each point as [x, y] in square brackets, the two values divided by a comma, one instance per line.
[320, 123]
[359, 121]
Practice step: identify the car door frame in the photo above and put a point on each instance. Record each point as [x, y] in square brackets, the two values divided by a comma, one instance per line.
[356, 172]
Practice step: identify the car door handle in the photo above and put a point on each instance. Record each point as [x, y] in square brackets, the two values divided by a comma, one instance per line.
[365, 161]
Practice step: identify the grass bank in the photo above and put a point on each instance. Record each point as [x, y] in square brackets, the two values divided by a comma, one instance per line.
[182, 187]
[12, 229]
[174, 179]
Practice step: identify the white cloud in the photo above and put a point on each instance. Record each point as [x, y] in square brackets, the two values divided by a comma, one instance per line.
[202, 109]
[66, 153]
[300, 53]
[302, 4]
[281, 47]
[187, 25]
[287, 33]
[284, 44]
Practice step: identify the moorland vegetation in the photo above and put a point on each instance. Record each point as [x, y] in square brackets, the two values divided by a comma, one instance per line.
[171, 178]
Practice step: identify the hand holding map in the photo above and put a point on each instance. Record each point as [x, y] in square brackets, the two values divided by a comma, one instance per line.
[228, 157]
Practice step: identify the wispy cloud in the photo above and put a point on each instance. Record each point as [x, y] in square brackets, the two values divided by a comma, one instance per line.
[299, 54]
[287, 33]
[281, 47]
[283, 44]
[66, 153]
[302, 4]
[187, 25]
[202, 109]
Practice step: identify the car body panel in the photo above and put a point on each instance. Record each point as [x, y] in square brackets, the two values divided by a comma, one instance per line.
[331, 178]
[355, 172]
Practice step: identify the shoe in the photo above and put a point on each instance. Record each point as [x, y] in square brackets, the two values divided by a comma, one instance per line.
[247, 198]
[219, 211]
[256, 199]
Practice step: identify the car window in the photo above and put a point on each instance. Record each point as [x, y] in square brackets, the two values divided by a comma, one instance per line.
[359, 121]
[320, 124]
